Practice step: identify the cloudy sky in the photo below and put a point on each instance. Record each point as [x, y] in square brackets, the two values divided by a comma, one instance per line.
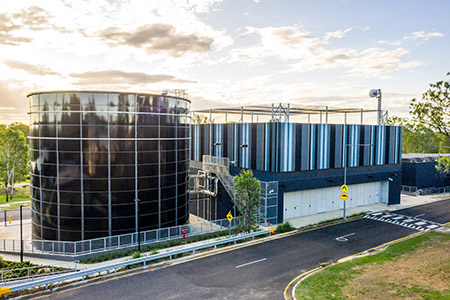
[225, 53]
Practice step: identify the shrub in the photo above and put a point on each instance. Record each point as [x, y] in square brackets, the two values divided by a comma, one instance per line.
[285, 227]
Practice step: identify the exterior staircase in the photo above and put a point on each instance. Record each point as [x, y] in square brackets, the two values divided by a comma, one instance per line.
[220, 167]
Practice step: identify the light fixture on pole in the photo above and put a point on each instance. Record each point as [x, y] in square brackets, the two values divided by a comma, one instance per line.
[377, 93]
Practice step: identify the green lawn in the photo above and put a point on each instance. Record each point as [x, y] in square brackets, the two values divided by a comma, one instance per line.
[21, 194]
[417, 268]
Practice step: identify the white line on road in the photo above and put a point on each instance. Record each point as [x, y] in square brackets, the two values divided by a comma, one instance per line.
[419, 215]
[252, 262]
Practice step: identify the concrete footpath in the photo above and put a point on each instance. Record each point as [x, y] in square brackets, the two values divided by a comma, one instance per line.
[406, 201]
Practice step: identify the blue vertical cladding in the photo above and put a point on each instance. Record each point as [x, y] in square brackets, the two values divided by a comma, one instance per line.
[267, 147]
[236, 144]
[289, 147]
[305, 133]
[312, 158]
[372, 147]
[344, 145]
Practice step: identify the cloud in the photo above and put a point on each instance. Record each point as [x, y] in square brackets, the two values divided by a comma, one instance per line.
[336, 34]
[422, 35]
[29, 68]
[120, 77]
[305, 52]
[418, 36]
[15, 28]
[156, 38]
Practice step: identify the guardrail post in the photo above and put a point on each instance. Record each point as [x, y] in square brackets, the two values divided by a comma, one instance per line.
[168, 233]
[211, 226]
[201, 227]
[53, 247]
[104, 243]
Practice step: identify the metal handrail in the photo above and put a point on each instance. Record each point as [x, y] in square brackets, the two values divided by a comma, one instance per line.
[82, 274]
[113, 242]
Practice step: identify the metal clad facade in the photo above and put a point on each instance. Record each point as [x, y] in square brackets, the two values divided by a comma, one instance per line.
[288, 147]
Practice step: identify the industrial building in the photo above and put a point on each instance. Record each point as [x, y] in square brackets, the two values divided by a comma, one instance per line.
[107, 163]
[300, 158]
[420, 176]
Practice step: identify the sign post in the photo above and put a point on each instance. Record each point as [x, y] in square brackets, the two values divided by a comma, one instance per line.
[230, 218]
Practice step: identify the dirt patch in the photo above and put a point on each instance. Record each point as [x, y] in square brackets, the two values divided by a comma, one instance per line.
[425, 270]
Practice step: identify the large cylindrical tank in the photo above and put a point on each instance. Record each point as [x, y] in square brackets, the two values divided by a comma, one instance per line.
[94, 153]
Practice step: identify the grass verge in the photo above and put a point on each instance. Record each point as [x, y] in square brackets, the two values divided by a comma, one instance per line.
[418, 268]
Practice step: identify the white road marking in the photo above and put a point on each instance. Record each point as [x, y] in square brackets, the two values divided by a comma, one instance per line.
[419, 215]
[344, 237]
[252, 262]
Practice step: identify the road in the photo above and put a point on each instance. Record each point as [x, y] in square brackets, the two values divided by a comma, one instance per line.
[260, 271]
[15, 214]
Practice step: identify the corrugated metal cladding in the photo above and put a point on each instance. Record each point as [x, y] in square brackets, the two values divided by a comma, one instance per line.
[286, 147]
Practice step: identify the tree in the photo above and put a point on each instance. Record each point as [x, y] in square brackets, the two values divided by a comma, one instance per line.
[433, 112]
[417, 138]
[248, 200]
[14, 158]
[201, 119]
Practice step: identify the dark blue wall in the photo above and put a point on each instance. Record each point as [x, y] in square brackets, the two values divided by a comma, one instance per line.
[306, 180]
[423, 175]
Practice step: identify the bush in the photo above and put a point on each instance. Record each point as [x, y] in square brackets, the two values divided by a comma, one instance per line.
[136, 254]
[285, 227]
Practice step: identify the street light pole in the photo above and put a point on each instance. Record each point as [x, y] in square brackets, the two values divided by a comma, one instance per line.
[21, 234]
[138, 225]
[345, 171]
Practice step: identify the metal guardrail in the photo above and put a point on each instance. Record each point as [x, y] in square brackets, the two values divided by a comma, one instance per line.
[143, 260]
[414, 191]
[114, 242]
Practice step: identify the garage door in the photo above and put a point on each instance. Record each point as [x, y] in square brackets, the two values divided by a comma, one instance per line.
[309, 202]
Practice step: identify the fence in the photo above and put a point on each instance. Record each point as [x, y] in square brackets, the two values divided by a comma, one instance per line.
[114, 242]
[114, 267]
[32, 273]
[414, 191]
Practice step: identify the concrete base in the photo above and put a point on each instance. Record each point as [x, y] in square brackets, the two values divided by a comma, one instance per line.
[406, 201]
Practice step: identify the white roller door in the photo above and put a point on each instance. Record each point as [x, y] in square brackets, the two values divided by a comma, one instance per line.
[308, 202]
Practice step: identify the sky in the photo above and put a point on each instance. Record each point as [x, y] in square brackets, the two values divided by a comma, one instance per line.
[225, 53]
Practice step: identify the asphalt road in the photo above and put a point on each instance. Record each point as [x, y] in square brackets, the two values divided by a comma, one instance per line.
[256, 272]
[15, 214]
[437, 211]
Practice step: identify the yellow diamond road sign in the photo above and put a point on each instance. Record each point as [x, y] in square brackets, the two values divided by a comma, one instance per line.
[229, 216]
[344, 188]
[344, 196]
